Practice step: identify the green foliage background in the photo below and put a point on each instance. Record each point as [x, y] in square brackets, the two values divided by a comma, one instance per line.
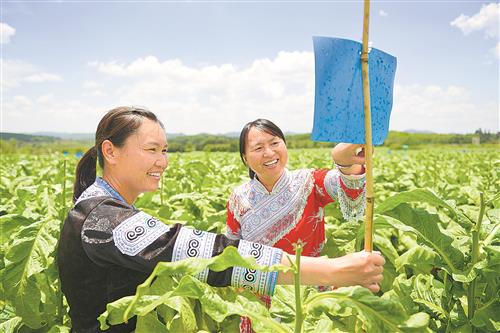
[436, 223]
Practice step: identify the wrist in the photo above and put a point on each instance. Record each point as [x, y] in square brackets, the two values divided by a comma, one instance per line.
[355, 169]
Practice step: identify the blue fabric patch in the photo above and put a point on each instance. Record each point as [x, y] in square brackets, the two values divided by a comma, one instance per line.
[104, 184]
[338, 105]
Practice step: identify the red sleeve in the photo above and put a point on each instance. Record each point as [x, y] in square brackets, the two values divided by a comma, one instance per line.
[319, 181]
[352, 193]
[233, 226]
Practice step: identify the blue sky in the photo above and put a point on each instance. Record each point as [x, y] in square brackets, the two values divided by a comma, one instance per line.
[213, 66]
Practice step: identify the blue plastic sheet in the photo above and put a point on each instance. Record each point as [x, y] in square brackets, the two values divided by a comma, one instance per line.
[338, 105]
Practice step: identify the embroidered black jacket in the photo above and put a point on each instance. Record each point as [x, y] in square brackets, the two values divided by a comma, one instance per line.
[108, 247]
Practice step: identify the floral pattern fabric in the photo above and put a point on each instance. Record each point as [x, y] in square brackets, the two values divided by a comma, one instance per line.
[294, 209]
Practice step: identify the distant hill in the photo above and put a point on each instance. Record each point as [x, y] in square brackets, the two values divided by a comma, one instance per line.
[51, 136]
[55, 136]
[78, 142]
[28, 137]
[67, 136]
[419, 131]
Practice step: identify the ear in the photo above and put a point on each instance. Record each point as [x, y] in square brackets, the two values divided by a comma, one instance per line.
[109, 152]
[245, 160]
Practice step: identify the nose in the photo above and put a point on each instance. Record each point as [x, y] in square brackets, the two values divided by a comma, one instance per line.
[162, 161]
[268, 151]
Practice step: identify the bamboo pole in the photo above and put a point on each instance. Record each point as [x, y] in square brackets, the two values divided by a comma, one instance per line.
[370, 199]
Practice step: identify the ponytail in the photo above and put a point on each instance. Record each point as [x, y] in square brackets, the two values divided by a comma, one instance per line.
[85, 172]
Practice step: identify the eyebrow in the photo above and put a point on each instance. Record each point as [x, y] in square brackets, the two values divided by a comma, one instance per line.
[155, 143]
[251, 144]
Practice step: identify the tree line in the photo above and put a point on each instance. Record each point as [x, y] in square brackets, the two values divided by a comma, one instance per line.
[221, 143]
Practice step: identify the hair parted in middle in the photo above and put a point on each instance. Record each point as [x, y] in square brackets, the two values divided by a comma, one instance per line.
[262, 125]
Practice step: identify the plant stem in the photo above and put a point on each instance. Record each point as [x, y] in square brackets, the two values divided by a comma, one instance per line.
[299, 316]
[63, 200]
[60, 306]
[471, 292]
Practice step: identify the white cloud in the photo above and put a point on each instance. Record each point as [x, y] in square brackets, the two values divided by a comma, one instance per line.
[486, 20]
[49, 112]
[382, 13]
[43, 77]
[6, 32]
[15, 72]
[440, 109]
[220, 98]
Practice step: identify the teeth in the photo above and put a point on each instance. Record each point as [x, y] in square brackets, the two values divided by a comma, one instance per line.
[271, 162]
[156, 174]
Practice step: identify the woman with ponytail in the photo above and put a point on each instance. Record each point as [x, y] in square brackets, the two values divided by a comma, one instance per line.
[107, 246]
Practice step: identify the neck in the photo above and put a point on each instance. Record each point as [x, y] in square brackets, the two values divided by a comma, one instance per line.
[269, 182]
[119, 187]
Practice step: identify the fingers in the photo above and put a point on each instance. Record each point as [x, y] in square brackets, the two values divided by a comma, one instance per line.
[375, 257]
[374, 287]
[378, 270]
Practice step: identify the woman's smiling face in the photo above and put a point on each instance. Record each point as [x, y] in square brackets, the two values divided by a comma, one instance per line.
[142, 160]
[266, 155]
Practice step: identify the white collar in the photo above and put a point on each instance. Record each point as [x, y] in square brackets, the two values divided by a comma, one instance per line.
[282, 182]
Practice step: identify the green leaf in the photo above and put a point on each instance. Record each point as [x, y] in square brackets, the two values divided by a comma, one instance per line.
[59, 329]
[185, 321]
[459, 318]
[31, 251]
[376, 314]
[486, 317]
[11, 325]
[421, 259]
[426, 227]
[416, 195]
[149, 323]
[419, 292]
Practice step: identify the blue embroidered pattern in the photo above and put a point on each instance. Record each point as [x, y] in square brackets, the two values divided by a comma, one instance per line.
[256, 281]
[137, 232]
[193, 243]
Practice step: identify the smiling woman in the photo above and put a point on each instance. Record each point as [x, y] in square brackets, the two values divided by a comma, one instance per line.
[278, 207]
[108, 247]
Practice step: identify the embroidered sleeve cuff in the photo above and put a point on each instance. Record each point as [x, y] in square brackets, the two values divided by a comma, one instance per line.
[193, 243]
[137, 232]
[353, 181]
[257, 281]
[349, 190]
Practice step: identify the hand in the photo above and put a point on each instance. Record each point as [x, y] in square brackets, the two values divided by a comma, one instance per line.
[360, 268]
[348, 154]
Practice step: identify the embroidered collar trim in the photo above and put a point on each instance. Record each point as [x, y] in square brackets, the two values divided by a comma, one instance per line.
[111, 191]
[282, 182]
[100, 188]
[271, 216]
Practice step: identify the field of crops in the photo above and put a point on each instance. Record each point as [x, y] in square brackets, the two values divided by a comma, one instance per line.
[436, 223]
